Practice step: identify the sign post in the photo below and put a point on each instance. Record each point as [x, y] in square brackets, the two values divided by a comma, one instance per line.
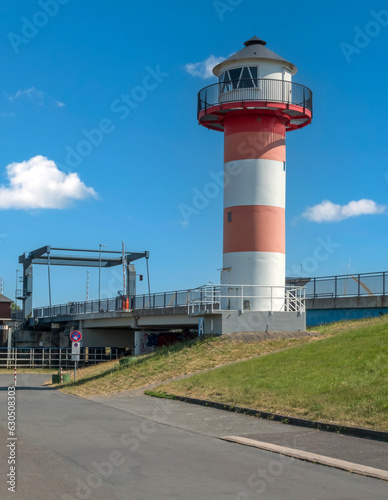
[75, 337]
[9, 348]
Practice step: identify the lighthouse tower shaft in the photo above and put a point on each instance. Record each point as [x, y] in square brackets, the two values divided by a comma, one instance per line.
[254, 104]
[254, 207]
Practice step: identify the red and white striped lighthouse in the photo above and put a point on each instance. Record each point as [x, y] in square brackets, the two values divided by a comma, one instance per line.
[255, 103]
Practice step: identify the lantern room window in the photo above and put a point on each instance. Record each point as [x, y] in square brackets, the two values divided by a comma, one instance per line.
[238, 78]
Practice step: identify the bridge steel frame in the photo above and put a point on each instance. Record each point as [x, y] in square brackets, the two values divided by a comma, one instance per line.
[47, 256]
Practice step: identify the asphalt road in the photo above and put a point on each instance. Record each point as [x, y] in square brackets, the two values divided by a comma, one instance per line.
[69, 448]
[217, 423]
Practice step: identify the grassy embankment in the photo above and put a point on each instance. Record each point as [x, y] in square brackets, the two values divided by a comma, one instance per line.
[342, 379]
[340, 376]
[168, 363]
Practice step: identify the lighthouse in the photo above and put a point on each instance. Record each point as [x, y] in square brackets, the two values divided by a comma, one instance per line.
[255, 103]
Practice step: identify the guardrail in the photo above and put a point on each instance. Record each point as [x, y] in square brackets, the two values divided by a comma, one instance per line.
[347, 285]
[213, 298]
[350, 285]
[57, 357]
[121, 303]
[259, 89]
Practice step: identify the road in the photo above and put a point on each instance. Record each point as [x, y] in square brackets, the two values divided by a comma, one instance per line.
[70, 448]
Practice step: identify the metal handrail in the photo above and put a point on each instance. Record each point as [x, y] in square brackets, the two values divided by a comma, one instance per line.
[53, 357]
[177, 298]
[260, 89]
[345, 285]
[210, 298]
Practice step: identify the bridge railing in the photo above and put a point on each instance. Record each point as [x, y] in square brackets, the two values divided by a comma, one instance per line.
[350, 285]
[347, 285]
[122, 303]
[75, 308]
[161, 300]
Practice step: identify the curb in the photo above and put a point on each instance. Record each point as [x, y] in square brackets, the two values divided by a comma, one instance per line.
[284, 419]
[362, 470]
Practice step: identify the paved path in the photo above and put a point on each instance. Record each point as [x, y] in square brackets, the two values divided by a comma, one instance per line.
[218, 423]
[71, 448]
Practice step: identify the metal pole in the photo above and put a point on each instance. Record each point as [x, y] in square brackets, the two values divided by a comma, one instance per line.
[148, 279]
[9, 350]
[49, 280]
[124, 269]
[61, 375]
[75, 371]
[16, 287]
[99, 276]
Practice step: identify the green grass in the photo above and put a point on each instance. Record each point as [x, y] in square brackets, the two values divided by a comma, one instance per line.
[342, 379]
[167, 363]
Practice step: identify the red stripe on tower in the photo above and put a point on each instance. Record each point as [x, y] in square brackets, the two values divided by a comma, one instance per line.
[254, 228]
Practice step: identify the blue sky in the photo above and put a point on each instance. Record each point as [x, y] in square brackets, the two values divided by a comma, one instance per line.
[66, 75]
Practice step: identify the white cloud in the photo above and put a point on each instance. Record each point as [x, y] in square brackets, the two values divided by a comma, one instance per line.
[204, 69]
[330, 212]
[34, 95]
[38, 183]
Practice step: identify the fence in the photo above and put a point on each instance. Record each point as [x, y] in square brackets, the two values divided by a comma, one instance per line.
[357, 285]
[57, 357]
[121, 303]
[347, 285]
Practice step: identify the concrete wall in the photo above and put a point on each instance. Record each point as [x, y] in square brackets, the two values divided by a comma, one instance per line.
[323, 311]
[317, 317]
[233, 321]
[348, 302]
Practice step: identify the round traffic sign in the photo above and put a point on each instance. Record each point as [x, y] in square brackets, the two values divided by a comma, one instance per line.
[75, 336]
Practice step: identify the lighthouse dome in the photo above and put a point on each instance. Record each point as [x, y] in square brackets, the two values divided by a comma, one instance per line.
[254, 61]
[259, 81]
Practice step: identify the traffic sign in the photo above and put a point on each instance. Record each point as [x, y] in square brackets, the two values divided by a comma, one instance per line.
[76, 348]
[75, 351]
[75, 336]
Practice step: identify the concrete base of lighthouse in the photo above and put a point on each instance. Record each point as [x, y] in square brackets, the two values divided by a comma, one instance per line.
[253, 321]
